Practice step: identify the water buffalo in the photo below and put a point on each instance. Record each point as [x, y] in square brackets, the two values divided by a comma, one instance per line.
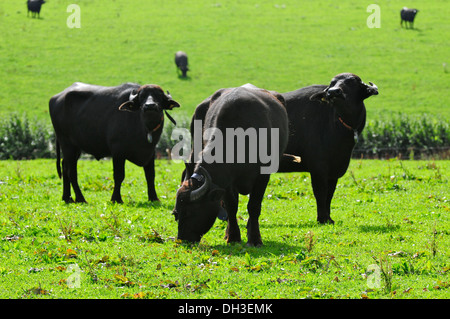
[408, 15]
[92, 119]
[211, 188]
[181, 61]
[35, 7]
[325, 122]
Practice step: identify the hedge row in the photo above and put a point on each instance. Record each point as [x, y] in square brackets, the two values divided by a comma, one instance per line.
[397, 135]
[406, 136]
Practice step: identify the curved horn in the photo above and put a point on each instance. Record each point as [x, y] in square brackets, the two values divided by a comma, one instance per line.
[373, 86]
[372, 89]
[200, 192]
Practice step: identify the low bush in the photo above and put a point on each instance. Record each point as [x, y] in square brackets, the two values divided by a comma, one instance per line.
[412, 137]
[402, 135]
[21, 140]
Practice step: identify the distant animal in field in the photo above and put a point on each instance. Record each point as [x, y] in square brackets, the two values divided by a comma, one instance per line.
[35, 7]
[407, 16]
[324, 123]
[181, 60]
[124, 122]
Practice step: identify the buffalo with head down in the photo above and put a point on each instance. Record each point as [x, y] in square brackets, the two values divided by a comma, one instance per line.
[325, 122]
[211, 189]
[92, 119]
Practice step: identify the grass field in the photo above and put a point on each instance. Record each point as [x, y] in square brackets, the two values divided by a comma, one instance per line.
[393, 215]
[276, 45]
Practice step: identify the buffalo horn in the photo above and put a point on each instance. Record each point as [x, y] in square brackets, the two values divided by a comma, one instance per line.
[373, 86]
[132, 96]
[202, 190]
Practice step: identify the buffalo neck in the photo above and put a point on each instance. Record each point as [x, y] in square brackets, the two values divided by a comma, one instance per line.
[353, 122]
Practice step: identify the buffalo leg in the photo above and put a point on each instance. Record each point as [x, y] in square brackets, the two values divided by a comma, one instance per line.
[254, 210]
[119, 176]
[233, 234]
[70, 164]
[331, 188]
[66, 184]
[149, 170]
[321, 193]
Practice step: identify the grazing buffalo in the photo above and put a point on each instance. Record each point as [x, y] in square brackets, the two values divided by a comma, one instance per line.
[325, 122]
[35, 7]
[92, 119]
[211, 188]
[408, 15]
[181, 60]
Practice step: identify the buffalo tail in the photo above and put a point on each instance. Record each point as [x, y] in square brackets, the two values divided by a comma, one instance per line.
[58, 158]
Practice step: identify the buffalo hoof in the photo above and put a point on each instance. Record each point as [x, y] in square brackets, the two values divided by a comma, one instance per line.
[326, 221]
[233, 238]
[68, 200]
[255, 244]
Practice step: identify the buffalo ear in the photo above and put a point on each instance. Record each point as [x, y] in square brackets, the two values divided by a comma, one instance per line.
[320, 96]
[371, 89]
[128, 106]
[279, 97]
[171, 102]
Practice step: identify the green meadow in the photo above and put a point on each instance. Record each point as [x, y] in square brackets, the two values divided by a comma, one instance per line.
[391, 236]
[280, 46]
[390, 240]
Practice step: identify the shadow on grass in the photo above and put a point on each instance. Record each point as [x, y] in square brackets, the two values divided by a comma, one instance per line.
[378, 228]
[268, 249]
[149, 205]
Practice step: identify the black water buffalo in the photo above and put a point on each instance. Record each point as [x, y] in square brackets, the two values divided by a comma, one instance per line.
[181, 61]
[324, 123]
[35, 7]
[211, 188]
[92, 119]
[408, 15]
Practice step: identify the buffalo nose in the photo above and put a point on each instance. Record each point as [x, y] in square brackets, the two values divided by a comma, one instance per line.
[334, 92]
[150, 107]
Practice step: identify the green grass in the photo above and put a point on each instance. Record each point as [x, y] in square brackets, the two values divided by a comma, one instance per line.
[281, 47]
[392, 211]
[387, 212]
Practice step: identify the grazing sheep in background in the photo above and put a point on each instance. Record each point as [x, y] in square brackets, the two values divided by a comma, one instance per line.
[35, 7]
[408, 15]
[181, 60]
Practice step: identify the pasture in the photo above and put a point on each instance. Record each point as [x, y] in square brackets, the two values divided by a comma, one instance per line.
[389, 214]
[391, 237]
[279, 46]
